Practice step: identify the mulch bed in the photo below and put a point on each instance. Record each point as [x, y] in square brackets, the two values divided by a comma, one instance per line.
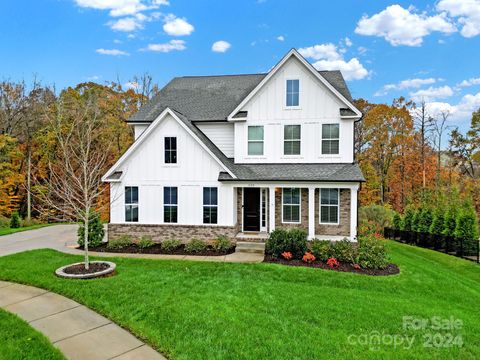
[79, 269]
[157, 249]
[391, 269]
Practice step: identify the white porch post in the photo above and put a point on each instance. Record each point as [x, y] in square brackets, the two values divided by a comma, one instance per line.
[311, 213]
[353, 212]
[271, 209]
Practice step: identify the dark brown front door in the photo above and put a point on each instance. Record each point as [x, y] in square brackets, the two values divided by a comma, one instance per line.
[251, 209]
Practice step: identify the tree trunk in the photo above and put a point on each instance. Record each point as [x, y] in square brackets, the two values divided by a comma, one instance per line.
[29, 194]
[85, 241]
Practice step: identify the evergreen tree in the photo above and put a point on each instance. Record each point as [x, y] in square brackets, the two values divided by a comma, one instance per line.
[438, 221]
[416, 219]
[425, 220]
[397, 221]
[408, 219]
[467, 223]
[450, 222]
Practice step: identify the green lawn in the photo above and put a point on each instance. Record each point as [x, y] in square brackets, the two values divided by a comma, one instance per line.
[199, 310]
[19, 341]
[7, 231]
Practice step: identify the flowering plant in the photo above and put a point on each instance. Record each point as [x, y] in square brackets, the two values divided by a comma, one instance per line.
[308, 257]
[332, 262]
[287, 255]
[357, 266]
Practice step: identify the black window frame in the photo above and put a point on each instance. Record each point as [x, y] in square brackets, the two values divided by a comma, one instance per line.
[170, 208]
[210, 205]
[170, 150]
[131, 203]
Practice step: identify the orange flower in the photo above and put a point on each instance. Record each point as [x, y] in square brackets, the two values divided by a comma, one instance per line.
[308, 257]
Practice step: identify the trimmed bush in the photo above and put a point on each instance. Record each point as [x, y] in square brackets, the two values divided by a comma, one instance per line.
[322, 249]
[407, 222]
[371, 253]
[397, 221]
[467, 224]
[195, 246]
[376, 215]
[170, 245]
[95, 231]
[438, 222]
[145, 242]
[119, 243]
[343, 251]
[222, 244]
[450, 222]
[281, 240]
[15, 221]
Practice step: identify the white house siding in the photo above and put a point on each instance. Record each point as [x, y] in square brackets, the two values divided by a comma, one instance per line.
[139, 129]
[195, 169]
[221, 135]
[318, 105]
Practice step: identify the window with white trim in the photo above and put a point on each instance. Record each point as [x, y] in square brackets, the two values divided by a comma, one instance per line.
[330, 139]
[293, 92]
[210, 205]
[291, 140]
[329, 206]
[291, 205]
[255, 140]
[170, 150]
[170, 204]
[131, 204]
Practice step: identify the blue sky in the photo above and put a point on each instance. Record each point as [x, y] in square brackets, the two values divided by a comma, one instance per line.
[385, 49]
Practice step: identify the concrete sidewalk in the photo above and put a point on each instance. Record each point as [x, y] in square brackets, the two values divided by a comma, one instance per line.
[77, 331]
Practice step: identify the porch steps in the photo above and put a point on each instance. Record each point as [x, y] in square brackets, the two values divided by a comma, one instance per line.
[250, 247]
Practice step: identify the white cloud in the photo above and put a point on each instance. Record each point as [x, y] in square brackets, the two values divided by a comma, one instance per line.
[401, 26]
[221, 46]
[121, 7]
[281, 38]
[432, 93]
[467, 12]
[116, 41]
[469, 82]
[329, 58]
[112, 52]
[177, 26]
[348, 42]
[459, 112]
[405, 84]
[172, 45]
[129, 24]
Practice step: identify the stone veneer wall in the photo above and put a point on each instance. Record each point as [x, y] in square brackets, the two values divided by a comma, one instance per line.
[183, 233]
[343, 229]
[303, 212]
[239, 209]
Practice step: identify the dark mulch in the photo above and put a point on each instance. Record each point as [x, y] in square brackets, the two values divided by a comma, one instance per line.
[79, 269]
[391, 269]
[157, 249]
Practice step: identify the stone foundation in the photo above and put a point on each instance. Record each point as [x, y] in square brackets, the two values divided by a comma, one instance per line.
[183, 233]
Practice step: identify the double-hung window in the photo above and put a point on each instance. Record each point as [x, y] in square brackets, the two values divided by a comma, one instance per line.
[170, 204]
[291, 140]
[329, 206]
[255, 140]
[293, 92]
[291, 205]
[330, 139]
[131, 203]
[210, 205]
[170, 150]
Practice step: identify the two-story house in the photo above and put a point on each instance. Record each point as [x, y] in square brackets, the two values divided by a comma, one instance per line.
[241, 155]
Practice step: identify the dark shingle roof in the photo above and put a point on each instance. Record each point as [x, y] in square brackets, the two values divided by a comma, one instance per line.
[213, 98]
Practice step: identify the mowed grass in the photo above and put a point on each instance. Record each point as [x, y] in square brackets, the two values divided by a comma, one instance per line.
[8, 231]
[200, 310]
[19, 341]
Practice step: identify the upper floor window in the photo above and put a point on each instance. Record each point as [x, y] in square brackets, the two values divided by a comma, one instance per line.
[293, 92]
[329, 206]
[170, 204]
[170, 150]
[330, 138]
[291, 140]
[131, 203]
[291, 205]
[255, 140]
[210, 205]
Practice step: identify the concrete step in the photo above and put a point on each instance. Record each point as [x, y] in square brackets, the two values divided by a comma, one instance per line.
[250, 247]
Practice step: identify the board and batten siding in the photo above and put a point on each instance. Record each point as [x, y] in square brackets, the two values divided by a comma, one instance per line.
[221, 134]
[195, 169]
[139, 129]
[317, 106]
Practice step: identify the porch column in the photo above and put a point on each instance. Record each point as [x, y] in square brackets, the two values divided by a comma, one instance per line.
[311, 213]
[271, 209]
[353, 212]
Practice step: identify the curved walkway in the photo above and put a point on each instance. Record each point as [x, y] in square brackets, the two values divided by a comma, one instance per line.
[77, 331]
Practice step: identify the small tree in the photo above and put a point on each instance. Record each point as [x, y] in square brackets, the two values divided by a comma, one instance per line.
[425, 220]
[407, 223]
[450, 222]
[438, 222]
[397, 221]
[416, 219]
[15, 221]
[467, 223]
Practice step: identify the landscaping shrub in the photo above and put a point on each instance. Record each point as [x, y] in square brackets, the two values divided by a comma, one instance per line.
[438, 222]
[95, 231]
[397, 221]
[145, 242]
[4, 222]
[376, 215]
[308, 257]
[333, 263]
[281, 240]
[425, 220]
[467, 224]
[222, 243]
[371, 253]
[322, 249]
[343, 251]
[119, 243]
[417, 215]
[195, 246]
[407, 222]
[450, 222]
[170, 245]
[15, 221]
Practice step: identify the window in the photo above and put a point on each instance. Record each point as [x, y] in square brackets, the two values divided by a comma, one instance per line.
[291, 205]
[210, 205]
[291, 140]
[330, 138]
[131, 203]
[255, 140]
[329, 204]
[170, 150]
[293, 92]
[170, 204]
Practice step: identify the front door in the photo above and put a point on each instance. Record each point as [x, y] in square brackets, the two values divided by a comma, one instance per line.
[251, 209]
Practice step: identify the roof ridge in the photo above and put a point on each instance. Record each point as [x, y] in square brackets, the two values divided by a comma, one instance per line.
[223, 75]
